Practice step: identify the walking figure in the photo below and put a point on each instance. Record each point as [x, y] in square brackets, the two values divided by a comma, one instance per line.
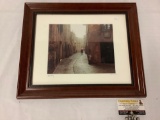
[82, 51]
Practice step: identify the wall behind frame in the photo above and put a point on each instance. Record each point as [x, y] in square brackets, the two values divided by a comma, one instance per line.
[11, 17]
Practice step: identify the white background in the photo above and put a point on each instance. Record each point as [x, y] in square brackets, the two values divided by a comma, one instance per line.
[11, 16]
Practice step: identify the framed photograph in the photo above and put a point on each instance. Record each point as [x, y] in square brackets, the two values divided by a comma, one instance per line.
[80, 50]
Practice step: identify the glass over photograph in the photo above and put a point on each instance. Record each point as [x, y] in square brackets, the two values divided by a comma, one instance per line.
[80, 49]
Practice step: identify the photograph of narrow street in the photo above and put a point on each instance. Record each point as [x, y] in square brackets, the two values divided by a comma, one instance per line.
[80, 49]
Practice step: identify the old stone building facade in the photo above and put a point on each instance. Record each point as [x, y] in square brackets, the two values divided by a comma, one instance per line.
[99, 43]
[61, 45]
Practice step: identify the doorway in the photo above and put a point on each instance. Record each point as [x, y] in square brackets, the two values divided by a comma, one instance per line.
[107, 52]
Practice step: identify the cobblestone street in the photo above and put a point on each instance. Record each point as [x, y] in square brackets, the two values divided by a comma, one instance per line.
[78, 64]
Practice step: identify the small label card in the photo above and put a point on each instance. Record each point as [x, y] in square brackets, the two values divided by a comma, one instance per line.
[127, 107]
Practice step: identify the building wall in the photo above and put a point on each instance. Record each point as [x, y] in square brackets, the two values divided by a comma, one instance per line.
[54, 44]
[61, 45]
[97, 34]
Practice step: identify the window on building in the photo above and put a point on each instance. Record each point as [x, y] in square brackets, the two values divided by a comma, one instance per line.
[105, 27]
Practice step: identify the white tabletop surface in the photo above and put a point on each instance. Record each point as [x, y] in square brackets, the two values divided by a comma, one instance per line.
[11, 16]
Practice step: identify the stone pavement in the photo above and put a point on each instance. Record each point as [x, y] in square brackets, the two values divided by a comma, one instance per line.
[78, 64]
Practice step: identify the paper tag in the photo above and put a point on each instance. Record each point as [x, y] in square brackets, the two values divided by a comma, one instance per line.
[125, 107]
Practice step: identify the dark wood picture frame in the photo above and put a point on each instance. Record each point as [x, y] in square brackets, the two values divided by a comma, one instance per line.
[25, 89]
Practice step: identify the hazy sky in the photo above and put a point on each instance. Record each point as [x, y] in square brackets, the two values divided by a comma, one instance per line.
[79, 30]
